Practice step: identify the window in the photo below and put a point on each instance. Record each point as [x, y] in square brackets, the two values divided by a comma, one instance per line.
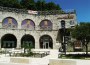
[71, 22]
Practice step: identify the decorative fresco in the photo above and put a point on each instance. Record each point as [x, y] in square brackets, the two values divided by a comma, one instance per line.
[27, 24]
[9, 23]
[46, 24]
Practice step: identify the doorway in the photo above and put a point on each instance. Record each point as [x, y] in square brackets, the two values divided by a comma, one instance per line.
[27, 40]
[45, 45]
[8, 41]
[46, 42]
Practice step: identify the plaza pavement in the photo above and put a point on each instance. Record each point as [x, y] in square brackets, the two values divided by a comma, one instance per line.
[6, 60]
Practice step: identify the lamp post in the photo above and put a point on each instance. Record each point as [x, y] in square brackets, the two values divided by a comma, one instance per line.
[64, 30]
[24, 45]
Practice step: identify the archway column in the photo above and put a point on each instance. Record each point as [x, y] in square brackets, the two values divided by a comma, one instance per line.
[0, 42]
[37, 43]
[54, 44]
[18, 43]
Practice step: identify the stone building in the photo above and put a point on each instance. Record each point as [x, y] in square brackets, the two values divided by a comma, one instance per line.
[42, 29]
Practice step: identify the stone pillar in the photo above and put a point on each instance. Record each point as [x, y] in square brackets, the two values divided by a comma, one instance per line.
[0, 38]
[54, 44]
[37, 43]
[18, 43]
[0, 42]
[54, 40]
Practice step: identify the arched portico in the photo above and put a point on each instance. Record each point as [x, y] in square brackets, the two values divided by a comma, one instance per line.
[46, 42]
[28, 40]
[8, 41]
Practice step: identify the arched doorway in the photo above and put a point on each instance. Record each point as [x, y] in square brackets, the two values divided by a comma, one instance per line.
[28, 40]
[46, 42]
[8, 41]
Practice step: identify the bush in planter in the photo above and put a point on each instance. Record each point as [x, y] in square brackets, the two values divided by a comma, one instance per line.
[27, 48]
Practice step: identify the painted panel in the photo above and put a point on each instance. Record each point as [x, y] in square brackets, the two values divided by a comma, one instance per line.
[46, 24]
[28, 24]
[9, 23]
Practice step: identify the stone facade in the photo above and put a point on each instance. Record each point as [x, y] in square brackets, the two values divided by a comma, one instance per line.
[37, 32]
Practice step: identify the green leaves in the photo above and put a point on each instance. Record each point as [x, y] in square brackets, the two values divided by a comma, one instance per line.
[10, 3]
[81, 31]
[40, 5]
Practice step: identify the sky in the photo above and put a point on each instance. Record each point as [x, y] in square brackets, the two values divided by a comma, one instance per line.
[82, 8]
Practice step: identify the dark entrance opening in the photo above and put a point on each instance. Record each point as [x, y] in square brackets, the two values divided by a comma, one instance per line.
[46, 42]
[8, 41]
[28, 40]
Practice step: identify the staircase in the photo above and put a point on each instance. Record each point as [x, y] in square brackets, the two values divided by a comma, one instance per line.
[53, 54]
[45, 60]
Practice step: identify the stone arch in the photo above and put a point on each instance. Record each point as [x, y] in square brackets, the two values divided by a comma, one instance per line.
[46, 42]
[28, 40]
[46, 24]
[9, 22]
[28, 24]
[8, 41]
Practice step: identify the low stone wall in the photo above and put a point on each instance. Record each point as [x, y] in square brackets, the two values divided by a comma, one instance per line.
[41, 61]
[62, 62]
[69, 62]
[20, 60]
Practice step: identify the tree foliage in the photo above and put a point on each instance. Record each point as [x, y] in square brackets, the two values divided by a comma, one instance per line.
[28, 4]
[10, 3]
[39, 5]
[82, 32]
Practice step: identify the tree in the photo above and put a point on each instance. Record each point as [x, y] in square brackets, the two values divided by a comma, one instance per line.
[52, 6]
[28, 4]
[82, 32]
[10, 3]
[41, 5]
[27, 47]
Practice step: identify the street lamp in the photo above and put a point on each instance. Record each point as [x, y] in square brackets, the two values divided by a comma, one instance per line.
[63, 43]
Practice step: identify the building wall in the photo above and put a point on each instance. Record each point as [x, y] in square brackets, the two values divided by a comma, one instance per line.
[37, 33]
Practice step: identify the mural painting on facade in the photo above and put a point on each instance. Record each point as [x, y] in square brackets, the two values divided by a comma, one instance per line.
[9, 23]
[46, 24]
[28, 24]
